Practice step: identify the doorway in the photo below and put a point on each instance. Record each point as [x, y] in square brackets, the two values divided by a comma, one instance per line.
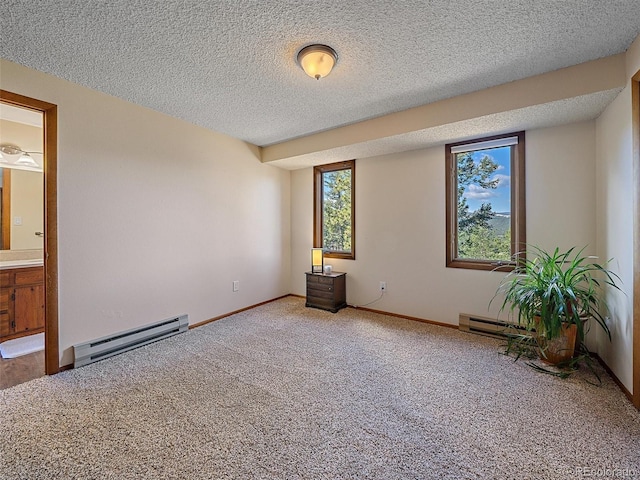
[635, 109]
[49, 207]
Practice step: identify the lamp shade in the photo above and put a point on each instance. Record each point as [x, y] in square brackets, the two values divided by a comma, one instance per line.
[317, 61]
[317, 260]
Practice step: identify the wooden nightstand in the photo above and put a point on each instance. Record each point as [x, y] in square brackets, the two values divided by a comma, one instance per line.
[327, 292]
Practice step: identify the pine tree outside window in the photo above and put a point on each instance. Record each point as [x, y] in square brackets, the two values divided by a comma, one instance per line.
[485, 202]
[334, 209]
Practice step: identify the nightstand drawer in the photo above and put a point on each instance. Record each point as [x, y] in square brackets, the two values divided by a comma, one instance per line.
[312, 292]
[321, 287]
[323, 303]
[320, 279]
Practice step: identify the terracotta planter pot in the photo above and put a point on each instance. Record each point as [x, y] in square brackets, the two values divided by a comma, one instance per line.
[560, 349]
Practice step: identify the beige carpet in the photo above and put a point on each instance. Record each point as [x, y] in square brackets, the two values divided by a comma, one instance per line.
[284, 392]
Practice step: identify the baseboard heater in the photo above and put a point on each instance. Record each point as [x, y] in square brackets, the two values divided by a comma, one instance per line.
[105, 347]
[488, 326]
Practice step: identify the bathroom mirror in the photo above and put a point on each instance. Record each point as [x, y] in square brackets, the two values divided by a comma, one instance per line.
[21, 198]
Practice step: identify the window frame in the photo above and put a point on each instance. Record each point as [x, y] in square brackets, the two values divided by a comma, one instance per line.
[318, 197]
[518, 207]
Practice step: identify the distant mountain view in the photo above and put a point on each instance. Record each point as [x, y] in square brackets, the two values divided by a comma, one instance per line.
[501, 222]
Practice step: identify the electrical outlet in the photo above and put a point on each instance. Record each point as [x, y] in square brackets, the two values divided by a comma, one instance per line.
[236, 285]
[383, 286]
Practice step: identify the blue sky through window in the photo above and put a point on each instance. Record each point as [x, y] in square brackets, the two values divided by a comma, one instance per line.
[500, 197]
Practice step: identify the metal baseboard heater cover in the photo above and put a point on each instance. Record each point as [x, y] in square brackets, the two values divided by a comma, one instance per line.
[488, 326]
[105, 347]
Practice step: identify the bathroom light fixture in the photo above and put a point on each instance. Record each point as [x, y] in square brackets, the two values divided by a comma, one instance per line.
[13, 156]
[10, 150]
[317, 61]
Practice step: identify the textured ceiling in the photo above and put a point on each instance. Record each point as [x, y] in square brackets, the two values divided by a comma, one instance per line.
[230, 65]
[538, 116]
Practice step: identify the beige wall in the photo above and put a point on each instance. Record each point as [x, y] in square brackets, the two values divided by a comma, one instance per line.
[157, 217]
[615, 219]
[400, 224]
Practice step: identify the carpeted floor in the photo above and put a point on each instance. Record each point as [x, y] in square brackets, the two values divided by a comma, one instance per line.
[284, 392]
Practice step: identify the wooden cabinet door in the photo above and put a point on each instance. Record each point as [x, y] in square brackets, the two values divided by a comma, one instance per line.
[5, 325]
[28, 308]
[5, 322]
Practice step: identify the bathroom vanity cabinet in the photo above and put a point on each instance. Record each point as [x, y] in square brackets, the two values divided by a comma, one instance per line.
[21, 302]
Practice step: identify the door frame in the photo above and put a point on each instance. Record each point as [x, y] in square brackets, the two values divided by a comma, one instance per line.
[635, 127]
[50, 123]
[6, 210]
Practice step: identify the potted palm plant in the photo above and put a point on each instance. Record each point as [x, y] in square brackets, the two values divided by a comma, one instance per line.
[555, 295]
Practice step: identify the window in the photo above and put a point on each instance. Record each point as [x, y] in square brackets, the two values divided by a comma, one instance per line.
[333, 209]
[485, 202]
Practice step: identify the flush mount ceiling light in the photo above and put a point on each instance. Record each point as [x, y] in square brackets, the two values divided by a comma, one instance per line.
[317, 61]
